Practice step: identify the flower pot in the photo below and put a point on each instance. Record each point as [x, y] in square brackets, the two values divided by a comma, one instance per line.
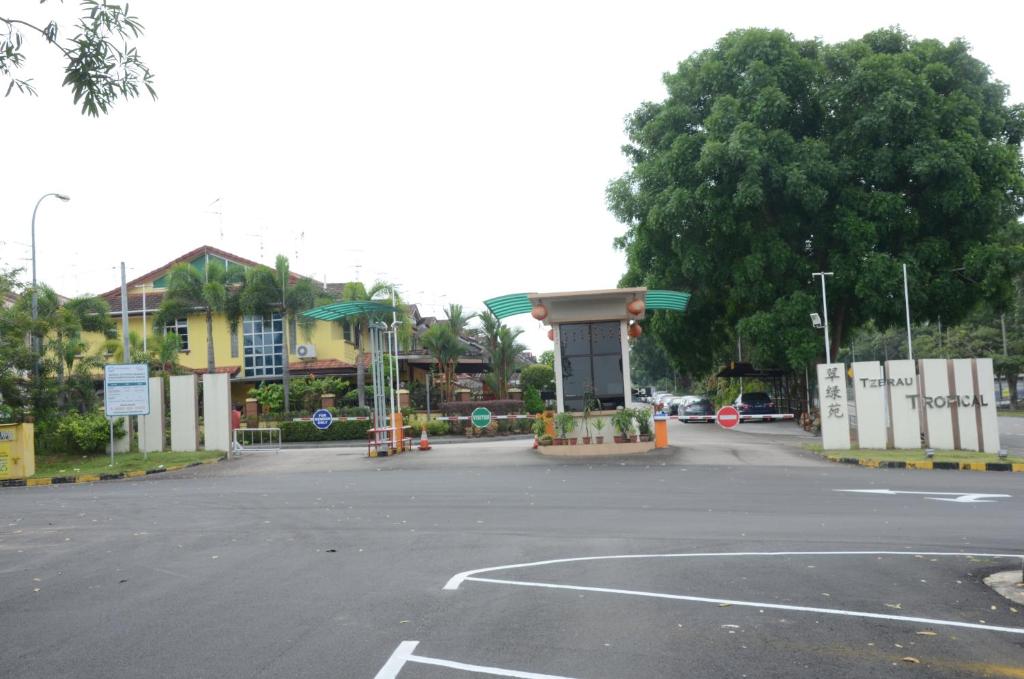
[559, 442]
[620, 439]
[586, 440]
[644, 438]
[599, 440]
[570, 441]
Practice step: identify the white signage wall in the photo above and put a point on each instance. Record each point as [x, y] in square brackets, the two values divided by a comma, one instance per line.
[835, 422]
[965, 417]
[122, 444]
[901, 384]
[151, 427]
[869, 397]
[935, 401]
[989, 433]
[216, 412]
[184, 414]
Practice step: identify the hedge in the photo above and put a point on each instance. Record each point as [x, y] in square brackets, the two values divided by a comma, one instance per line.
[293, 432]
[503, 407]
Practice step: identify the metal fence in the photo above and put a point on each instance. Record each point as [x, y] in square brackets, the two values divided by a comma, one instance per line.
[265, 440]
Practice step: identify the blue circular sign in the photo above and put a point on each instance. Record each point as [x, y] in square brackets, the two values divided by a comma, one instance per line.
[322, 418]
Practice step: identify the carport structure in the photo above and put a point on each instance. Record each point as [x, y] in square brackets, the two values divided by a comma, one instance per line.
[590, 330]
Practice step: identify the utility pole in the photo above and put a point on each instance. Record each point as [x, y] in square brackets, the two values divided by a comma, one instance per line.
[127, 358]
[824, 310]
[906, 299]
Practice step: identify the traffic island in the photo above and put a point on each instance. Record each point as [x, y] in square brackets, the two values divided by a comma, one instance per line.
[956, 460]
[597, 449]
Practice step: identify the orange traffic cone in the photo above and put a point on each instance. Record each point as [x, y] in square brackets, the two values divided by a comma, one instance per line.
[536, 443]
[424, 441]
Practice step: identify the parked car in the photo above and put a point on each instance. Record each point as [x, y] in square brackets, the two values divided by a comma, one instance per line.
[700, 407]
[754, 403]
[661, 399]
[673, 404]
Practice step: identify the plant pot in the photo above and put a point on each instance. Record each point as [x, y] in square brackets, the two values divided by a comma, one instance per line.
[559, 442]
[571, 441]
[620, 439]
[598, 440]
[586, 440]
[644, 438]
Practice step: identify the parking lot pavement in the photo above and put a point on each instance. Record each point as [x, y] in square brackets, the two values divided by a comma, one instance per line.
[1011, 433]
[336, 566]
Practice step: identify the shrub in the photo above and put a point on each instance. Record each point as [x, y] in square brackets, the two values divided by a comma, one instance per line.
[497, 407]
[75, 433]
[565, 424]
[292, 432]
[532, 402]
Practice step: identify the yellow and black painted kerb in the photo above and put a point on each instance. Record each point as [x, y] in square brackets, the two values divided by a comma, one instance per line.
[90, 478]
[929, 464]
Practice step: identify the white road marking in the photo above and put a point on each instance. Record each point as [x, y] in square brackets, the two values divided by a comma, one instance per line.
[757, 604]
[404, 654]
[457, 579]
[960, 497]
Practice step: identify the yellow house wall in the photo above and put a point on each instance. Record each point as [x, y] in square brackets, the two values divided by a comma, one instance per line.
[325, 336]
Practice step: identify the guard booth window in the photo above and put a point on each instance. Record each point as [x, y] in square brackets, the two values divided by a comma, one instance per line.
[591, 362]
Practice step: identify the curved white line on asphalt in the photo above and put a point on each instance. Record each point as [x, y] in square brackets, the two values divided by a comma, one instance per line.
[758, 604]
[458, 578]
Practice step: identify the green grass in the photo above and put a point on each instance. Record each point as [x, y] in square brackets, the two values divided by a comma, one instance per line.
[913, 455]
[63, 464]
[1011, 413]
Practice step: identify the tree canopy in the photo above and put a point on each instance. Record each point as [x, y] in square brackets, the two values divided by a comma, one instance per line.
[772, 158]
[101, 65]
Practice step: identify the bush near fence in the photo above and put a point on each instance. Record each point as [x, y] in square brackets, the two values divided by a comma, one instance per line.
[293, 432]
[497, 407]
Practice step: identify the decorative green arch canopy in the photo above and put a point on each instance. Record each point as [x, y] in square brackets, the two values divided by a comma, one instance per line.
[519, 303]
[341, 310]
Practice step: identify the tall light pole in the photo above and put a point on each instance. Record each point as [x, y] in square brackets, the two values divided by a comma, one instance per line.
[35, 296]
[824, 312]
[906, 301]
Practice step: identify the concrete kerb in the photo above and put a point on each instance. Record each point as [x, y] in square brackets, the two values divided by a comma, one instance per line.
[92, 478]
[926, 464]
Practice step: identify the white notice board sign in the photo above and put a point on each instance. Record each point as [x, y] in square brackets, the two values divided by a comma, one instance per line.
[126, 389]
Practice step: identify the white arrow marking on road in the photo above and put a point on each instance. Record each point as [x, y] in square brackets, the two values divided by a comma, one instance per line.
[960, 497]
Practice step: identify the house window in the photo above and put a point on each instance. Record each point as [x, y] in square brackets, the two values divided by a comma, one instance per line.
[591, 364]
[179, 327]
[263, 346]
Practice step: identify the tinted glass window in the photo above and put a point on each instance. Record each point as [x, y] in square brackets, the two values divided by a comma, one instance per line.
[575, 339]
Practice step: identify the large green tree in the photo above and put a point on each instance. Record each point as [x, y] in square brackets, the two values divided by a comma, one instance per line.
[772, 158]
[100, 63]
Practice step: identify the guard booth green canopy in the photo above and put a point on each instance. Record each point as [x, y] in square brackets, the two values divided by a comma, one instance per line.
[383, 338]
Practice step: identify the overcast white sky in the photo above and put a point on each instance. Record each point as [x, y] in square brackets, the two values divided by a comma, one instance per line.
[460, 149]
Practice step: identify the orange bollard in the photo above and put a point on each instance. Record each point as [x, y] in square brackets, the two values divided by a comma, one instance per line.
[660, 431]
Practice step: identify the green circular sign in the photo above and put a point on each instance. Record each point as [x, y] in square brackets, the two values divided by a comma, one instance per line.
[481, 417]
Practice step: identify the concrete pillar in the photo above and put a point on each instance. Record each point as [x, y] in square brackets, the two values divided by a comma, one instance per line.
[216, 412]
[184, 414]
[869, 395]
[835, 422]
[252, 413]
[403, 398]
[326, 400]
[901, 398]
[151, 427]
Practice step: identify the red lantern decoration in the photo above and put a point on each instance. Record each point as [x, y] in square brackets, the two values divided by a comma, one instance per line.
[636, 307]
[551, 334]
[540, 312]
[635, 330]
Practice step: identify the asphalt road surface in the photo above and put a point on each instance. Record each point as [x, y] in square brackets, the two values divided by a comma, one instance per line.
[734, 554]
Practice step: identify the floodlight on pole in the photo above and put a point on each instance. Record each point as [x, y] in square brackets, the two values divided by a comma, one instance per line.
[816, 320]
[824, 312]
[35, 296]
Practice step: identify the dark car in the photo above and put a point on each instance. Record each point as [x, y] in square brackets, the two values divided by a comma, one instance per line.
[699, 408]
[754, 403]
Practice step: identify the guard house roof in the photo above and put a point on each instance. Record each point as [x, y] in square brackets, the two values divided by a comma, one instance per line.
[587, 305]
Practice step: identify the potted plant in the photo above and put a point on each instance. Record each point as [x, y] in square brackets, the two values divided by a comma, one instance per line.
[545, 440]
[598, 423]
[539, 428]
[565, 424]
[643, 424]
[622, 420]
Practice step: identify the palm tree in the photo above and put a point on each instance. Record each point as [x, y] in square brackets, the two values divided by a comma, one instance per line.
[446, 348]
[503, 360]
[188, 291]
[295, 298]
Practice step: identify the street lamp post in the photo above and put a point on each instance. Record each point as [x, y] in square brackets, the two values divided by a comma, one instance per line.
[35, 296]
[824, 310]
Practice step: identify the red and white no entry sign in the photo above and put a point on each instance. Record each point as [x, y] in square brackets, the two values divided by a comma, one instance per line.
[727, 417]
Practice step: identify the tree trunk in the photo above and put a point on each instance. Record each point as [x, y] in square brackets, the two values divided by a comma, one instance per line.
[211, 365]
[836, 332]
[360, 379]
[1011, 381]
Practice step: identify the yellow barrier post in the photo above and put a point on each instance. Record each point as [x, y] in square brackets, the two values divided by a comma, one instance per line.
[17, 451]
